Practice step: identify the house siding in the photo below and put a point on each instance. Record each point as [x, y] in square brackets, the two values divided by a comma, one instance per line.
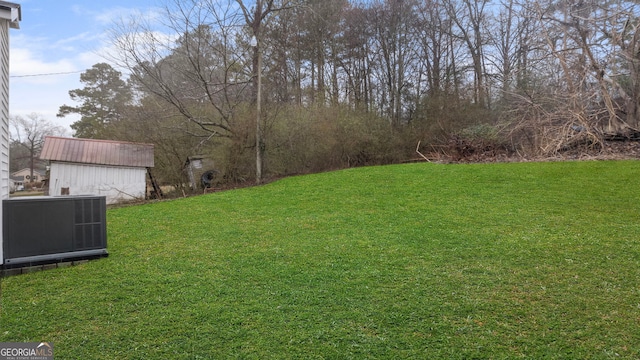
[4, 120]
[25, 175]
[116, 183]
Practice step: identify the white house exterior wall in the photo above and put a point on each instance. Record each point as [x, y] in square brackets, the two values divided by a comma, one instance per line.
[25, 174]
[4, 120]
[116, 183]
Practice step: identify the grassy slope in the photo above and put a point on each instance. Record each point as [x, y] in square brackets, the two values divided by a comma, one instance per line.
[412, 261]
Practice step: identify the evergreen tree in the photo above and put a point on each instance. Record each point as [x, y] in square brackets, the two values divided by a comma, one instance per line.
[102, 101]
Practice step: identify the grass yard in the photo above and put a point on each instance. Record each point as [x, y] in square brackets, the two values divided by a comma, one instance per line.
[531, 260]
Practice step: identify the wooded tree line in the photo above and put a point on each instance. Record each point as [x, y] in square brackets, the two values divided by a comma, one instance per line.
[348, 83]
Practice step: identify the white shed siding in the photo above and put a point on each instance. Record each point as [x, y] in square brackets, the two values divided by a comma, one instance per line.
[4, 120]
[116, 183]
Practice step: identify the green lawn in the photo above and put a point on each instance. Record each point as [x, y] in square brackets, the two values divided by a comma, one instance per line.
[501, 261]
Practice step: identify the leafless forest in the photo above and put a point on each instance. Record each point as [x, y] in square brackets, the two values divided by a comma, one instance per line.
[270, 88]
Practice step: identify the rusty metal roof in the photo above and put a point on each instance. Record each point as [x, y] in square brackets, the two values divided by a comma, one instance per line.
[100, 152]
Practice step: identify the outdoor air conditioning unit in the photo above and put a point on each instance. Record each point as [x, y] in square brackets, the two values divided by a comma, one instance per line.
[44, 229]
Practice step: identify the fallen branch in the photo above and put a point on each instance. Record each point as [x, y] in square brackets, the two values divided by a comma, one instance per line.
[419, 153]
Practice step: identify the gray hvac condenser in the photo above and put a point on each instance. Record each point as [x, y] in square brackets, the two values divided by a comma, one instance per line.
[49, 229]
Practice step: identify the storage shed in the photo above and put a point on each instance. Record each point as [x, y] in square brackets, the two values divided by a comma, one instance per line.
[200, 170]
[114, 169]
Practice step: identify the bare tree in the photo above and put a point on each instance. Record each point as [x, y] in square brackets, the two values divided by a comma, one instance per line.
[195, 59]
[203, 74]
[470, 18]
[200, 72]
[620, 31]
[438, 83]
[30, 131]
[254, 19]
[394, 43]
[356, 60]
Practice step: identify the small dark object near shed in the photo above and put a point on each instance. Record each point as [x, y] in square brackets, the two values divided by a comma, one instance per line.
[207, 178]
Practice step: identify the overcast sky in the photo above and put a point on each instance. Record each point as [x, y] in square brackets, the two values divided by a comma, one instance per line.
[57, 40]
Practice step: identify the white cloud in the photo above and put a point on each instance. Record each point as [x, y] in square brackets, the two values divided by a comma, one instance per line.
[38, 63]
[38, 83]
[80, 38]
[31, 67]
[110, 16]
[114, 15]
[44, 98]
